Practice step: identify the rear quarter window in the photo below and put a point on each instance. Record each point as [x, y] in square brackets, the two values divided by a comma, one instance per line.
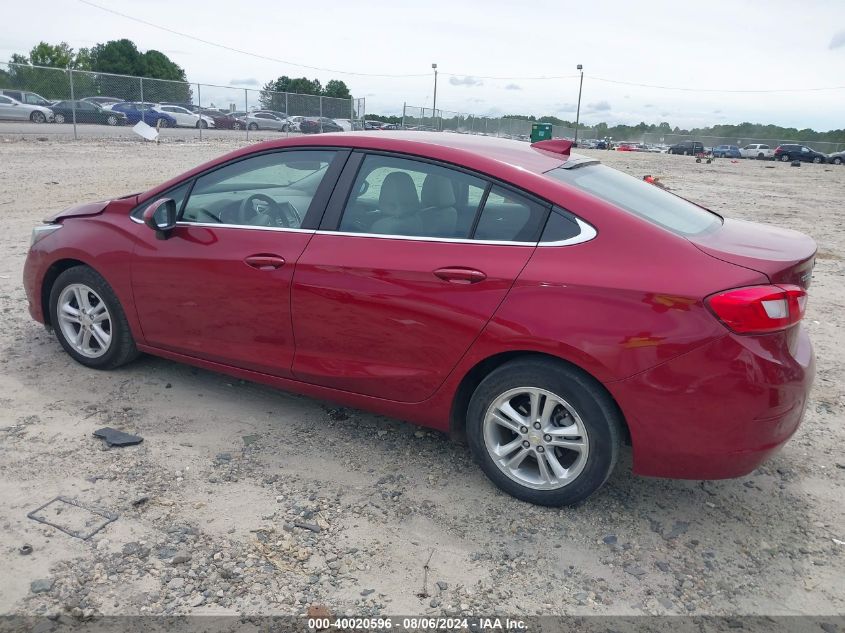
[639, 198]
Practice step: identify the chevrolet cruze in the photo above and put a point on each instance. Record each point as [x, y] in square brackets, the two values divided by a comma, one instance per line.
[544, 306]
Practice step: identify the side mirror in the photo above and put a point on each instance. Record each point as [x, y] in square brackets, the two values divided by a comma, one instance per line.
[160, 216]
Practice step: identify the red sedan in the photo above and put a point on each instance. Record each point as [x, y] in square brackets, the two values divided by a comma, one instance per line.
[544, 306]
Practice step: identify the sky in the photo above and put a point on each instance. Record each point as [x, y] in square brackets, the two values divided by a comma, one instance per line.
[496, 57]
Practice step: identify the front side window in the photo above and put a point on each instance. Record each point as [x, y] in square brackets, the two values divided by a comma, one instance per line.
[639, 198]
[400, 196]
[270, 190]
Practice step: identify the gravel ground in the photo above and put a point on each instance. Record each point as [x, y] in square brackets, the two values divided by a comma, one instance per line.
[244, 499]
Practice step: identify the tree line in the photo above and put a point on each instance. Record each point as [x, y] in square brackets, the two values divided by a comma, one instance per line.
[739, 131]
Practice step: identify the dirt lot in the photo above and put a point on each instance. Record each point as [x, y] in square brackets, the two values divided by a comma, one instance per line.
[230, 468]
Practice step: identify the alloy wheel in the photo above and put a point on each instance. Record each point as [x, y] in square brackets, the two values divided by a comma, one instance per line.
[536, 438]
[60, 118]
[85, 321]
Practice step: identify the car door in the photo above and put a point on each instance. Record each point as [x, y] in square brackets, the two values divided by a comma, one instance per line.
[8, 109]
[86, 113]
[219, 287]
[394, 288]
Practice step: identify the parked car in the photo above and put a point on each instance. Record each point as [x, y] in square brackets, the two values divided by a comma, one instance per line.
[26, 97]
[628, 147]
[760, 151]
[263, 121]
[793, 151]
[184, 117]
[687, 148]
[295, 122]
[222, 120]
[837, 158]
[86, 112]
[345, 124]
[103, 102]
[495, 316]
[372, 125]
[726, 151]
[316, 124]
[136, 111]
[13, 109]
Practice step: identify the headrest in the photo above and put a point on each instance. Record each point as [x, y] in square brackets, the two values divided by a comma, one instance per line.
[437, 191]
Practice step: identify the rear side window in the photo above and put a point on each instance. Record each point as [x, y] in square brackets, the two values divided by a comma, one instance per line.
[509, 217]
[640, 198]
[560, 226]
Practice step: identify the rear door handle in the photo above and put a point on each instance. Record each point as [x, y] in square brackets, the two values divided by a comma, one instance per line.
[265, 262]
[459, 275]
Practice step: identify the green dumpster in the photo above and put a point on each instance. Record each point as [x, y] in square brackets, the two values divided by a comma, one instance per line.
[541, 132]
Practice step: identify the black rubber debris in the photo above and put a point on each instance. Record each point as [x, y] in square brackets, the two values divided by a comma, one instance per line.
[113, 437]
[25, 550]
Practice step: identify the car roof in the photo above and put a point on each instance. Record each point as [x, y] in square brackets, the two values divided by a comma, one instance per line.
[514, 153]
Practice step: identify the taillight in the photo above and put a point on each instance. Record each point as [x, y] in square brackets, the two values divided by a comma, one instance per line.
[759, 309]
[778, 149]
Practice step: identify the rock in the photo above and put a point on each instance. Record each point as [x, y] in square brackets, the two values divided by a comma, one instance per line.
[610, 539]
[367, 592]
[42, 585]
[435, 602]
[181, 557]
[679, 528]
[634, 570]
[442, 585]
[307, 526]
[223, 457]
[666, 603]
[176, 583]
[662, 565]
[198, 601]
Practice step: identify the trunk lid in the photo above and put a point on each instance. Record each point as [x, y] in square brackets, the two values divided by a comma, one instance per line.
[783, 255]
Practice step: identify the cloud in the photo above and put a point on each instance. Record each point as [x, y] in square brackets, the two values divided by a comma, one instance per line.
[243, 82]
[465, 81]
[649, 105]
[599, 106]
[717, 112]
[512, 87]
[837, 41]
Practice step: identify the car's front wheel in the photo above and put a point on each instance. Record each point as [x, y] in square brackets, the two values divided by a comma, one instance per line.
[37, 117]
[112, 120]
[784, 158]
[837, 161]
[544, 432]
[60, 118]
[89, 320]
[817, 159]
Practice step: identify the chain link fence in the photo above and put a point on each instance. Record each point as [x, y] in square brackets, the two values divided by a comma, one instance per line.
[88, 104]
[418, 118]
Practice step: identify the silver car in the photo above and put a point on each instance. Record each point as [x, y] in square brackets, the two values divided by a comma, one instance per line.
[15, 110]
[264, 121]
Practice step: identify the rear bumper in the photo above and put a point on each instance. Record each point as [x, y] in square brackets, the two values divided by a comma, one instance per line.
[720, 410]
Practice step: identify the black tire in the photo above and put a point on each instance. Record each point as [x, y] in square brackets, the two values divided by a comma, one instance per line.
[202, 124]
[37, 117]
[784, 158]
[761, 156]
[122, 347]
[59, 118]
[817, 160]
[253, 126]
[599, 414]
[236, 126]
[111, 120]
[837, 161]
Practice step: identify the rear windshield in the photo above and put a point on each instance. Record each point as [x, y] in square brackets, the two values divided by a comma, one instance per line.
[640, 198]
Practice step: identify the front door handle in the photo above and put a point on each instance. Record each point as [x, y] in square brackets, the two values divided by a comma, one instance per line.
[265, 262]
[459, 275]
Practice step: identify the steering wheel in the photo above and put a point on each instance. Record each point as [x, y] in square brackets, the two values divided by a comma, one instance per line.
[271, 215]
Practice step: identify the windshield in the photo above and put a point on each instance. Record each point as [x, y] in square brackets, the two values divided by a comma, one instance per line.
[640, 198]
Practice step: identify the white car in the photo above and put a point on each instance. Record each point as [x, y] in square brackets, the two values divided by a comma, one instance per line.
[15, 110]
[346, 124]
[184, 117]
[294, 123]
[758, 151]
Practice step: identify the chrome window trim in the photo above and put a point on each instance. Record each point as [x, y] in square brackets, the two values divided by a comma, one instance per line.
[588, 232]
[221, 225]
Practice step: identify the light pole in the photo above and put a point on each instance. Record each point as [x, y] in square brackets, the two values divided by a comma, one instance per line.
[578, 111]
[434, 103]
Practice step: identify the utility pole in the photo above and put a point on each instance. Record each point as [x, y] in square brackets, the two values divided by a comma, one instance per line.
[578, 111]
[434, 103]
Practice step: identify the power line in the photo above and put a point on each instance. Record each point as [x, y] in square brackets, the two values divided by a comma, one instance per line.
[394, 76]
[238, 50]
[653, 86]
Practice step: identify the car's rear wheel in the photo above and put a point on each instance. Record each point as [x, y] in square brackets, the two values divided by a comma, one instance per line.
[236, 126]
[89, 322]
[253, 126]
[37, 117]
[784, 158]
[544, 432]
[837, 161]
[817, 160]
[60, 118]
[202, 124]
[111, 120]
